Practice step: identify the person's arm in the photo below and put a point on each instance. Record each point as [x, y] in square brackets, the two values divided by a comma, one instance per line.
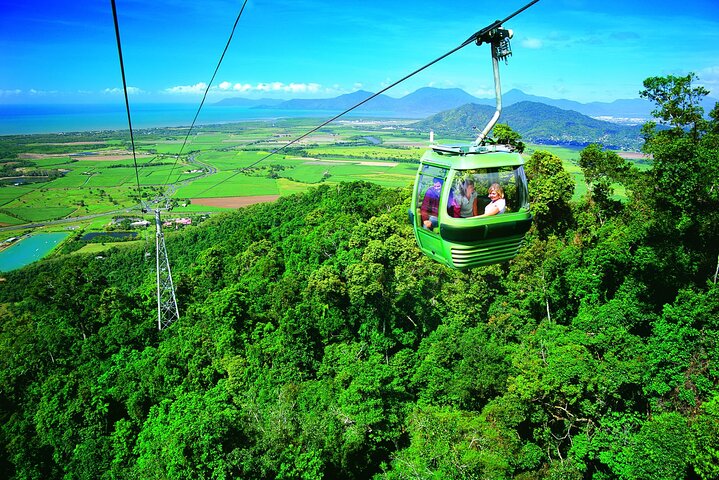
[490, 210]
[475, 209]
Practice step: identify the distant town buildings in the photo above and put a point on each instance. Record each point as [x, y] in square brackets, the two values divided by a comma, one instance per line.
[140, 223]
[177, 222]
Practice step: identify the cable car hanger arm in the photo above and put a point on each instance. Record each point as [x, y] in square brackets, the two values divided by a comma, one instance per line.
[498, 38]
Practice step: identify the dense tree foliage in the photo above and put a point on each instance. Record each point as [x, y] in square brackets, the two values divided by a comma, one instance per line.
[506, 136]
[315, 341]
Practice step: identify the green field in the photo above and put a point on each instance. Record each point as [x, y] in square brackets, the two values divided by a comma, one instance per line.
[98, 179]
[96, 248]
[10, 220]
[228, 184]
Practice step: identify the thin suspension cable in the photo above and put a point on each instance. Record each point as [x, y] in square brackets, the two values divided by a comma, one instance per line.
[476, 37]
[358, 105]
[277, 150]
[227, 45]
[127, 101]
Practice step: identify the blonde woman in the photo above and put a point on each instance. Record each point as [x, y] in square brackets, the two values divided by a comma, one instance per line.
[497, 202]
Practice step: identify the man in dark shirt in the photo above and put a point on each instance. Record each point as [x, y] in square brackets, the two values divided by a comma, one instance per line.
[430, 205]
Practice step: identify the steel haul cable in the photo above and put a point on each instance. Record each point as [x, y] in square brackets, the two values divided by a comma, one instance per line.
[227, 45]
[127, 101]
[476, 37]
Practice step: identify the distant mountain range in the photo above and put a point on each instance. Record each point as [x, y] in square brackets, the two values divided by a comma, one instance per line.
[453, 111]
[419, 104]
[428, 100]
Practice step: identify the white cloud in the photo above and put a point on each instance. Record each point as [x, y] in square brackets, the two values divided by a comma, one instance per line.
[532, 43]
[41, 93]
[484, 93]
[119, 91]
[227, 88]
[269, 87]
[303, 87]
[10, 93]
[185, 89]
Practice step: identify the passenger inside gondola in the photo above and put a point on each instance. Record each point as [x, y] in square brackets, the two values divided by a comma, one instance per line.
[497, 204]
[430, 205]
[467, 199]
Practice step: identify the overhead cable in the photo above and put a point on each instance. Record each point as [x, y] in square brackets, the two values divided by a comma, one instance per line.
[127, 101]
[476, 37]
[217, 68]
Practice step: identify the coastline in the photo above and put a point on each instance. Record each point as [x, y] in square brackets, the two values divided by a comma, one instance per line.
[66, 118]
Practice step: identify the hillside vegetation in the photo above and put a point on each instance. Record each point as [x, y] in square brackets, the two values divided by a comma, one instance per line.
[537, 123]
[315, 341]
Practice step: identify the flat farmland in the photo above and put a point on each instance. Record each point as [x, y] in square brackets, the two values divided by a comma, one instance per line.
[226, 166]
[215, 167]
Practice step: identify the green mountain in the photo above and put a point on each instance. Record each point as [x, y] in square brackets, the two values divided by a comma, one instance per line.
[430, 100]
[537, 123]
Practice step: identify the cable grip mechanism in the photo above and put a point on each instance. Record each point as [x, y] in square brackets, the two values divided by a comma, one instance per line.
[498, 38]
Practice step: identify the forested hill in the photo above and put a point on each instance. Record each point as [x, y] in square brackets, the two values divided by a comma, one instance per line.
[315, 341]
[536, 123]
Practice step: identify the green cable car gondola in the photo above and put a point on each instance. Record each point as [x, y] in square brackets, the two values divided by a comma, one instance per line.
[470, 203]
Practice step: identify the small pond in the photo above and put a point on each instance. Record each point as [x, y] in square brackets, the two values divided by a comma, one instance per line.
[113, 235]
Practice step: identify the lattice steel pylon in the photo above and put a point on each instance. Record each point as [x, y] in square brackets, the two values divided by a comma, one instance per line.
[166, 302]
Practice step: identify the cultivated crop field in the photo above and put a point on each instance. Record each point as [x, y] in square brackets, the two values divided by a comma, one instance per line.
[85, 180]
[92, 178]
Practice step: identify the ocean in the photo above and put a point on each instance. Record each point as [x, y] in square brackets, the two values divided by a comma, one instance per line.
[30, 119]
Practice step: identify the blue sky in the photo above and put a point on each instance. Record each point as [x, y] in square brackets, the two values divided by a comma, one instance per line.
[64, 51]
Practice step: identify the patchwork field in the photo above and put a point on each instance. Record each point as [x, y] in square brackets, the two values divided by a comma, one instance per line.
[92, 178]
[89, 179]
[234, 202]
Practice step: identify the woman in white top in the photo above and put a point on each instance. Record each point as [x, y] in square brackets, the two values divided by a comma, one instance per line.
[497, 204]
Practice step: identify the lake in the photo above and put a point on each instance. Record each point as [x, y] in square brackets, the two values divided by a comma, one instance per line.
[29, 249]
